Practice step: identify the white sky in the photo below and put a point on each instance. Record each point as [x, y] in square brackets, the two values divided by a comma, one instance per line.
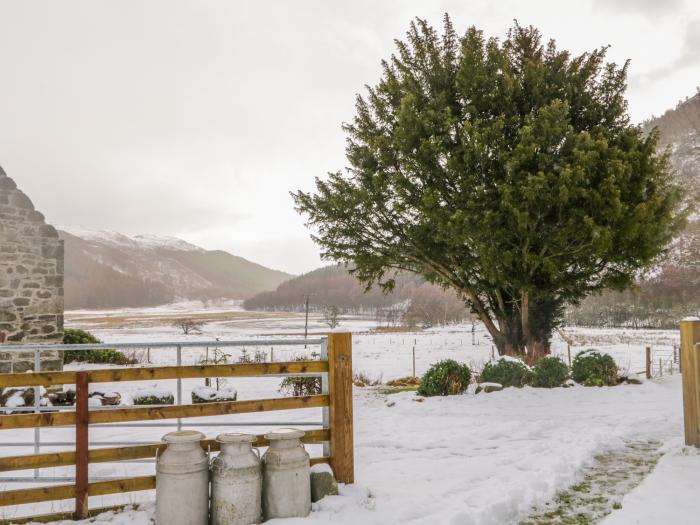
[196, 118]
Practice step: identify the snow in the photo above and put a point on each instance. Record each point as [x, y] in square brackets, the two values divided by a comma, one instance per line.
[144, 393]
[668, 495]
[136, 241]
[15, 400]
[320, 468]
[486, 460]
[211, 394]
[509, 359]
[458, 460]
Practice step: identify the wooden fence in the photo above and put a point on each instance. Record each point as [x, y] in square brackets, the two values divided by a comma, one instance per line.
[337, 435]
[690, 366]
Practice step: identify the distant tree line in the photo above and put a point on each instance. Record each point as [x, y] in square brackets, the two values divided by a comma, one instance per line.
[657, 302]
[332, 289]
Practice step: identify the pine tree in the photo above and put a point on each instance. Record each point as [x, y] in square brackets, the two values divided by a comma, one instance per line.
[506, 170]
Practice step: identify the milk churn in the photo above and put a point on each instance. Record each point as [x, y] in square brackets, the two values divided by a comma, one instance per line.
[182, 480]
[286, 476]
[236, 482]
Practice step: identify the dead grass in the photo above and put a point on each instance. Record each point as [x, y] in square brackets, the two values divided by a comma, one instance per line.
[394, 330]
[405, 381]
[362, 379]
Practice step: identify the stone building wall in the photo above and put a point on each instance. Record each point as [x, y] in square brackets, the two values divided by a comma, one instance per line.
[31, 281]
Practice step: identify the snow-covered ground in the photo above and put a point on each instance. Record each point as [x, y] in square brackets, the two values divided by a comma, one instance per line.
[482, 459]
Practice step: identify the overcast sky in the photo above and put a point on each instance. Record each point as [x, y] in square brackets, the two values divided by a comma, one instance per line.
[196, 118]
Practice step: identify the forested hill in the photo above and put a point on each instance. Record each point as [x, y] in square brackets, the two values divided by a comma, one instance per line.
[680, 129]
[413, 300]
[109, 270]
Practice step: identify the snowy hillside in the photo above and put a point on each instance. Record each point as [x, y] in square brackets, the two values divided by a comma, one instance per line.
[110, 269]
[137, 241]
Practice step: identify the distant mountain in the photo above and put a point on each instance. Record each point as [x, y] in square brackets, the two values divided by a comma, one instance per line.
[108, 269]
[680, 129]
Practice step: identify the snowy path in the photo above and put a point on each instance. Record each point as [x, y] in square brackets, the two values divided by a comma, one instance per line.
[668, 495]
[488, 459]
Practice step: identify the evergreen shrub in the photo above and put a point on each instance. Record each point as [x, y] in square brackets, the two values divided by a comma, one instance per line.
[74, 336]
[591, 368]
[445, 378]
[508, 371]
[549, 372]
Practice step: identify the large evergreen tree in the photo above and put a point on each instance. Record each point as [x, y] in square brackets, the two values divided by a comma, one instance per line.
[506, 170]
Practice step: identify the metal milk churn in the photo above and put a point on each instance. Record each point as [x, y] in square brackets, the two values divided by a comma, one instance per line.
[286, 476]
[182, 480]
[236, 482]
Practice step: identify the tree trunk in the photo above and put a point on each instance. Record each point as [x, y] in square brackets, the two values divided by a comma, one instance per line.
[514, 333]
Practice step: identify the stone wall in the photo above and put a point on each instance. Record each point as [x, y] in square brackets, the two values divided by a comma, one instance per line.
[31, 281]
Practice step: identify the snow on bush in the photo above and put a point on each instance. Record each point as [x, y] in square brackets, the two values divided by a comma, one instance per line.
[153, 396]
[549, 372]
[507, 371]
[591, 368]
[445, 378]
[207, 394]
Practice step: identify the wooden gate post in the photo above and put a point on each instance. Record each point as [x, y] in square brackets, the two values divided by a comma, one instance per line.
[340, 409]
[81, 445]
[690, 364]
[647, 360]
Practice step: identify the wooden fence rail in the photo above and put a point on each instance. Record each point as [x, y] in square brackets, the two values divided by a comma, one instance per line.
[336, 400]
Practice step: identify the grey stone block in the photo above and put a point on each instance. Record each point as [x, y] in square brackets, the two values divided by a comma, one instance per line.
[323, 483]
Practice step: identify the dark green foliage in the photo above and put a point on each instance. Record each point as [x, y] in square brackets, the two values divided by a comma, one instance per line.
[163, 399]
[507, 170]
[591, 368]
[74, 336]
[445, 378]
[507, 372]
[549, 372]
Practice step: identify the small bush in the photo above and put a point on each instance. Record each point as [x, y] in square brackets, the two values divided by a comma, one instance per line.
[507, 371]
[591, 368]
[549, 372]
[73, 336]
[445, 378]
[299, 386]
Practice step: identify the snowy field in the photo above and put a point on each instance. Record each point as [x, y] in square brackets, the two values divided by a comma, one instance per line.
[483, 459]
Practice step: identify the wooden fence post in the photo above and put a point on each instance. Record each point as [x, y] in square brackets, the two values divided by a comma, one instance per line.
[690, 363]
[414, 361]
[81, 445]
[648, 362]
[340, 410]
[568, 351]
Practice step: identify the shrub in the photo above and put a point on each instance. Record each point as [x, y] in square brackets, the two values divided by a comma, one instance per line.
[73, 336]
[445, 378]
[549, 372]
[299, 386]
[507, 371]
[591, 368]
